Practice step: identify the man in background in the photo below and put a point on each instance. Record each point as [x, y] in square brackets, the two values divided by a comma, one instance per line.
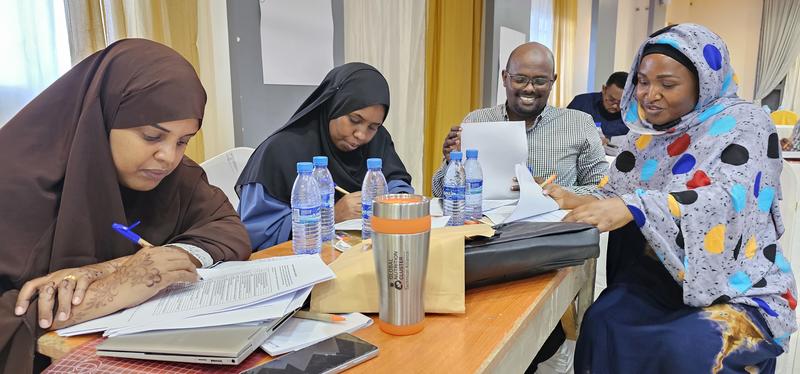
[561, 141]
[603, 106]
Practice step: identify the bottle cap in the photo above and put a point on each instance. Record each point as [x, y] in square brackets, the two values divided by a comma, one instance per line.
[320, 161]
[374, 163]
[304, 167]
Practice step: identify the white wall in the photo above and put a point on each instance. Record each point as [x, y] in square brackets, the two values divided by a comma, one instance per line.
[631, 31]
[738, 22]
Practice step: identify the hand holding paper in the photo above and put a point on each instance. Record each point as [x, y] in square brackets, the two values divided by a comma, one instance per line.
[532, 201]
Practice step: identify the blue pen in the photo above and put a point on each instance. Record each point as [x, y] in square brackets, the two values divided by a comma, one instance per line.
[128, 233]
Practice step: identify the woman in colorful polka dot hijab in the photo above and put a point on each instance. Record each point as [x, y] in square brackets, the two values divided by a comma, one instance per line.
[697, 279]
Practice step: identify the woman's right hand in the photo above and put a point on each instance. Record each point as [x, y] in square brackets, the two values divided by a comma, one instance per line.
[566, 199]
[348, 207]
[151, 270]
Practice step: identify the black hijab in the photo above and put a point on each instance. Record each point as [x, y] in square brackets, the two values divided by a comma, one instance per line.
[345, 89]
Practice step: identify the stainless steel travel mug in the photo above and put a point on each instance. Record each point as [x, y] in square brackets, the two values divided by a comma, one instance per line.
[401, 229]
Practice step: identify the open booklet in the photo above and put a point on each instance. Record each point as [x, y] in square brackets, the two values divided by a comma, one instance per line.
[232, 293]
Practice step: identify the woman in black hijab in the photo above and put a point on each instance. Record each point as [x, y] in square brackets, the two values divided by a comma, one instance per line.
[342, 120]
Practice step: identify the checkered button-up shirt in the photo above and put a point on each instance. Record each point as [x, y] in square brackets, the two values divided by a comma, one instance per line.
[564, 142]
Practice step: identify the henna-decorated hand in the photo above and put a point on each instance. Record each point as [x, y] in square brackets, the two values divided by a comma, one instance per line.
[67, 285]
[149, 271]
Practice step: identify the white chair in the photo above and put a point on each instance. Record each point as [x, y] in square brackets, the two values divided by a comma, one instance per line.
[789, 362]
[223, 170]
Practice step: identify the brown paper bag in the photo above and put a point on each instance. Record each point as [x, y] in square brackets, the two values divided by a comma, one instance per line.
[355, 288]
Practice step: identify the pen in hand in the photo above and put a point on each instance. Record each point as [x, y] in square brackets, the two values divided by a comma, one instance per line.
[548, 181]
[128, 233]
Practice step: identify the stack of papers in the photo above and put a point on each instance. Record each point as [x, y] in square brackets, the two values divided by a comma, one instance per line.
[232, 293]
[299, 333]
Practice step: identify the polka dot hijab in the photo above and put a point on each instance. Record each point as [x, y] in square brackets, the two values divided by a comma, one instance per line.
[705, 192]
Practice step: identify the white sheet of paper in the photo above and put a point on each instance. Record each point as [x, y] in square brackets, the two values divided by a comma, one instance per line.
[296, 41]
[247, 291]
[349, 225]
[554, 216]
[500, 145]
[489, 205]
[531, 200]
[276, 308]
[793, 155]
[299, 333]
[355, 224]
[509, 39]
[436, 207]
[499, 215]
[97, 324]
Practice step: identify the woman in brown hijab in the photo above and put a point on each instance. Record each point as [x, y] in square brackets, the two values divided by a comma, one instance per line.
[104, 144]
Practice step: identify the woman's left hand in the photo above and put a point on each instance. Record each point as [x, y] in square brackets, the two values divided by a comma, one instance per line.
[67, 286]
[607, 214]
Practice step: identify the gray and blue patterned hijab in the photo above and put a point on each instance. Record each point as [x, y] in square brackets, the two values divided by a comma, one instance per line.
[705, 192]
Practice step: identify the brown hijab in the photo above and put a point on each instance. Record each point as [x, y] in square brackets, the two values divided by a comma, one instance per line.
[60, 193]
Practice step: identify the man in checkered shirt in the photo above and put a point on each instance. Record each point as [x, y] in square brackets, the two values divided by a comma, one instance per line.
[564, 142]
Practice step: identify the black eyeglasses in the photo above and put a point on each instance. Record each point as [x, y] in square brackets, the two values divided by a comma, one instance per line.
[521, 81]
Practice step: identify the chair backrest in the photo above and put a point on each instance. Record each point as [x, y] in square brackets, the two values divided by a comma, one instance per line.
[223, 170]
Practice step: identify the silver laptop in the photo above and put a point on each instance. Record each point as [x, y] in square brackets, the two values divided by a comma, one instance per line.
[221, 345]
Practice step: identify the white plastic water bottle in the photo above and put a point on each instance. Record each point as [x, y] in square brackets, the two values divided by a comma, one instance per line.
[474, 184]
[374, 185]
[454, 190]
[326, 187]
[305, 211]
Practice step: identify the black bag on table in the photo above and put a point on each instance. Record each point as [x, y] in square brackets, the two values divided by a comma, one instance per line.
[524, 249]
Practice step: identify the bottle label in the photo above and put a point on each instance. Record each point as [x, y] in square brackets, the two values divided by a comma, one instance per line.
[454, 193]
[474, 187]
[366, 211]
[327, 200]
[308, 215]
